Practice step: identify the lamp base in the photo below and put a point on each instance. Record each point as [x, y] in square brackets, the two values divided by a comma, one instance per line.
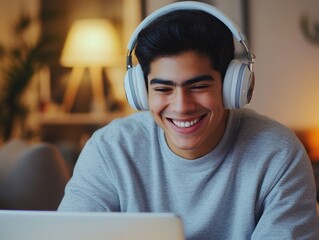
[98, 103]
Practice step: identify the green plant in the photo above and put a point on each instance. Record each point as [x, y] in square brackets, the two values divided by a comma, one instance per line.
[18, 65]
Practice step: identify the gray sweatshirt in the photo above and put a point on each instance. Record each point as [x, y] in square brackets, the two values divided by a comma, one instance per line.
[256, 184]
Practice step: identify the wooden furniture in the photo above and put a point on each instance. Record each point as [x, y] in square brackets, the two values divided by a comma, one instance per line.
[71, 131]
[73, 127]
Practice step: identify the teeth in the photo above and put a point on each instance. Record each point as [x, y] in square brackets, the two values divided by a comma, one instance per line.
[185, 124]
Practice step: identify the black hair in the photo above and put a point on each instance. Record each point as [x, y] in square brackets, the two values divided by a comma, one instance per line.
[186, 30]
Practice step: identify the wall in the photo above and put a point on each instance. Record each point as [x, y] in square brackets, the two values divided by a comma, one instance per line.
[287, 65]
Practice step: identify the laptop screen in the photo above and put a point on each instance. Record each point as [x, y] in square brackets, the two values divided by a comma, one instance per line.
[39, 225]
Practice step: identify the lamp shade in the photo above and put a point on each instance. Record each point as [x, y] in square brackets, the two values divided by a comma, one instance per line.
[90, 43]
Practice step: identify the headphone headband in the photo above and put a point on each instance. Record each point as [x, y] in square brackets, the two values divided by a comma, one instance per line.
[189, 5]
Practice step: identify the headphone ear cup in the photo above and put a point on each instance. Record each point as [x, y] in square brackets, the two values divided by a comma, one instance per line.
[135, 88]
[238, 85]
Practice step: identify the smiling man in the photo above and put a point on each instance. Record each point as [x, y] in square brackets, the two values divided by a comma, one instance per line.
[228, 173]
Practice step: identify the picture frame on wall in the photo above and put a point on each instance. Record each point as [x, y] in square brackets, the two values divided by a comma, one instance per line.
[239, 12]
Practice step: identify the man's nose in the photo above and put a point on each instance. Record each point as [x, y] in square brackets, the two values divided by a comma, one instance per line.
[182, 101]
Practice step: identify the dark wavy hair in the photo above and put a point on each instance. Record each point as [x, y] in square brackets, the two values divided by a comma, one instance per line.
[185, 30]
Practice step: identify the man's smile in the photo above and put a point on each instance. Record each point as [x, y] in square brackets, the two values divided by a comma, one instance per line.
[186, 123]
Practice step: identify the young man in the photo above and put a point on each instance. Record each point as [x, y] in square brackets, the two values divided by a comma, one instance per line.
[229, 174]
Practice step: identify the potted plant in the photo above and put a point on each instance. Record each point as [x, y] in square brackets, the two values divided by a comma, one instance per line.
[18, 65]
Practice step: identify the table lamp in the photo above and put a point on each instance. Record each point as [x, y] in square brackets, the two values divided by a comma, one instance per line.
[92, 44]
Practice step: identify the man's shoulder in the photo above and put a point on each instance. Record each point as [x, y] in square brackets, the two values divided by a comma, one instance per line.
[136, 124]
[255, 119]
[141, 116]
[265, 127]
[136, 120]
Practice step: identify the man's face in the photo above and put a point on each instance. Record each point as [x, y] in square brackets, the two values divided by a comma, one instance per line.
[185, 99]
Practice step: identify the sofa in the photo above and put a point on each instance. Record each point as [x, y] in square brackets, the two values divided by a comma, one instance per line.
[32, 176]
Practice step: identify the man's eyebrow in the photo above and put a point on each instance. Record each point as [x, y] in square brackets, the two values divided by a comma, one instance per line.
[186, 83]
[162, 81]
[197, 79]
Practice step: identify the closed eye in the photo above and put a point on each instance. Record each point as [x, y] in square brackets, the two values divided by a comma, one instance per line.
[199, 87]
[162, 89]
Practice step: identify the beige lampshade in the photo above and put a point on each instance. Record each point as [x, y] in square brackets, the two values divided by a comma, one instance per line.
[90, 43]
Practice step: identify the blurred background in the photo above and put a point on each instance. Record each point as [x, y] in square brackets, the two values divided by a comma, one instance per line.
[62, 65]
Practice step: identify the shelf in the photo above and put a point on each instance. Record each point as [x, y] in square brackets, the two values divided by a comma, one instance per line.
[79, 118]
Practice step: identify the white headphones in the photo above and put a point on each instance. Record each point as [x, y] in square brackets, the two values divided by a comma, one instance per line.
[239, 79]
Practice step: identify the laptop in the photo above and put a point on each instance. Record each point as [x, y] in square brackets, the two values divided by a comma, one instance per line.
[40, 225]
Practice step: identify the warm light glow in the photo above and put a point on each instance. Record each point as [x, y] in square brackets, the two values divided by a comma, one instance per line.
[91, 42]
[313, 144]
